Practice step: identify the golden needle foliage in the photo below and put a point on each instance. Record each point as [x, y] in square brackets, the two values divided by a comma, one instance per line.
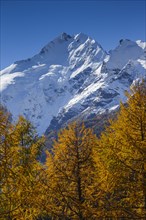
[83, 177]
[71, 167]
[19, 169]
[123, 147]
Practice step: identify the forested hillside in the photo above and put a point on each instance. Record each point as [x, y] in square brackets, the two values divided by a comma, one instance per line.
[84, 176]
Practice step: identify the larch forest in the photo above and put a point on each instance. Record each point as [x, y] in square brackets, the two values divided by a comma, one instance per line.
[84, 176]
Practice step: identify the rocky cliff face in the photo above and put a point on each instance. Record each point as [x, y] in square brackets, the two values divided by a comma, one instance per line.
[71, 77]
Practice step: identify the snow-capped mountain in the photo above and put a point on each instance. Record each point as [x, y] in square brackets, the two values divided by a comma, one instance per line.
[72, 76]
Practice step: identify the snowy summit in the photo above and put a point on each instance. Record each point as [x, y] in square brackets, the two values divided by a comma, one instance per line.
[71, 76]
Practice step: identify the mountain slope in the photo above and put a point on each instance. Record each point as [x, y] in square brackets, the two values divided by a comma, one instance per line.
[71, 77]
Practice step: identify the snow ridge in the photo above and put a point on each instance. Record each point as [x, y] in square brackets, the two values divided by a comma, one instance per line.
[72, 76]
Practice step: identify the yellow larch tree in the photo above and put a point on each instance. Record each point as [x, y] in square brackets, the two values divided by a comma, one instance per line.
[29, 169]
[8, 167]
[123, 149]
[19, 170]
[72, 169]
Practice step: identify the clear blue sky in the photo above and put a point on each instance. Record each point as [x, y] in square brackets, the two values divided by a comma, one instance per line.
[26, 26]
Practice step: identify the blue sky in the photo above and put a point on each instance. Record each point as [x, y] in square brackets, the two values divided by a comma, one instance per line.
[26, 26]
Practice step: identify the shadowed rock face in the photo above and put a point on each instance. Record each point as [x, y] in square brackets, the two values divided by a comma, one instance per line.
[71, 78]
[97, 122]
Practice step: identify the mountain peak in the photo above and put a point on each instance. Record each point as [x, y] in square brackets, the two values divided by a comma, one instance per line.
[81, 36]
[123, 41]
[65, 36]
[74, 77]
[125, 51]
[127, 43]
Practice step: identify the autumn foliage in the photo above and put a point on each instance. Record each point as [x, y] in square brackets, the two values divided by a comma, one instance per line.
[84, 177]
